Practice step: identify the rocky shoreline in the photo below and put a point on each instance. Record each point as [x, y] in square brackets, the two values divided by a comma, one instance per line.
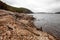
[19, 26]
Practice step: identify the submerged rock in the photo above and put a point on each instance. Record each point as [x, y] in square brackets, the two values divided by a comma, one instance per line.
[19, 28]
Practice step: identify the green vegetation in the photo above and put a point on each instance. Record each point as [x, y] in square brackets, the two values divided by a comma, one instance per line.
[14, 9]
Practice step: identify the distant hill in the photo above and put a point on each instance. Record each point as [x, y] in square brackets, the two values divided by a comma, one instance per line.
[14, 9]
[57, 13]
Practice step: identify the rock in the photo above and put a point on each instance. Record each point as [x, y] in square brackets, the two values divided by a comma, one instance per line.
[17, 28]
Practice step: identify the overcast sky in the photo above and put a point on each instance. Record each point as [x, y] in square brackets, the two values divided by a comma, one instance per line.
[36, 5]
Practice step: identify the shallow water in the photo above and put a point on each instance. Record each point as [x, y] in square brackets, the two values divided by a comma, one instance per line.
[49, 22]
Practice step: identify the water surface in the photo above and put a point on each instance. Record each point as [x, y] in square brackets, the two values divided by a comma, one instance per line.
[49, 22]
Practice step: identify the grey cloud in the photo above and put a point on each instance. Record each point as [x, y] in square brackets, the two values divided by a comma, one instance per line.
[56, 10]
[37, 5]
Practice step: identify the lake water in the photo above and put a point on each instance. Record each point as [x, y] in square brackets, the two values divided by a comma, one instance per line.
[49, 22]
